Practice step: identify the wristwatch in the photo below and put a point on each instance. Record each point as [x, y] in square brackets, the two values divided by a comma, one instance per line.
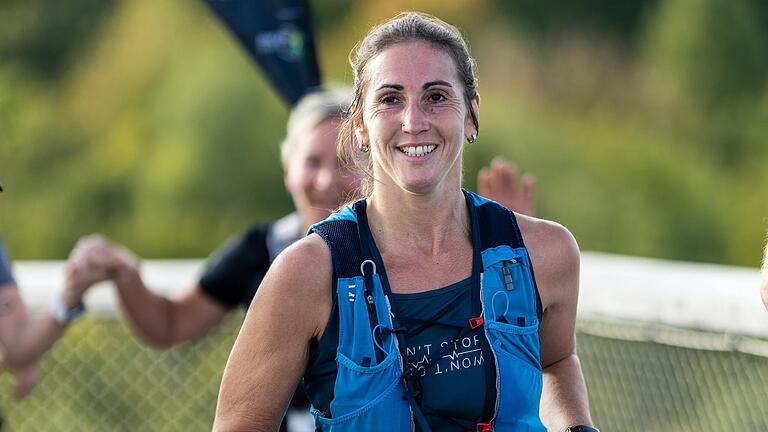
[63, 314]
[582, 428]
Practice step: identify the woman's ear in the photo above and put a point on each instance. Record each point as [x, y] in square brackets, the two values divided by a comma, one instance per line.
[469, 125]
[361, 135]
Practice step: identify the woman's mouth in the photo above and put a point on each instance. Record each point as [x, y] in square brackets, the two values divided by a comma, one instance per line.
[418, 151]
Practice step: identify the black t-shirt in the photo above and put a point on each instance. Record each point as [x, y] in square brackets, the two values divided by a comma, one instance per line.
[233, 273]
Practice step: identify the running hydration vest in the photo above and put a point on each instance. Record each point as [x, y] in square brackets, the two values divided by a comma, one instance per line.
[374, 389]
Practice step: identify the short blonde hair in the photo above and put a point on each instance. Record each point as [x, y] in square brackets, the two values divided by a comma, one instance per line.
[309, 112]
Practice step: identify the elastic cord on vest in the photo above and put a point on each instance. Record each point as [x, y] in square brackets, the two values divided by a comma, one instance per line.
[368, 278]
[494, 315]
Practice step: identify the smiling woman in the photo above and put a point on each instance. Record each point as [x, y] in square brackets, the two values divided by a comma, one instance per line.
[434, 319]
[414, 118]
[443, 43]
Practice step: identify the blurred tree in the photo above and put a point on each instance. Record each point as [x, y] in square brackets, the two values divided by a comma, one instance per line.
[144, 120]
[715, 52]
[45, 37]
[617, 19]
[326, 14]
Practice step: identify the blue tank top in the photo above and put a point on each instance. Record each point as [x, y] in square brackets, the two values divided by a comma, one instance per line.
[460, 363]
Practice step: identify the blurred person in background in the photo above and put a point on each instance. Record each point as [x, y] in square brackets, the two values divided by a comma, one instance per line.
[24, 338]
[414, 307]
[318, 185]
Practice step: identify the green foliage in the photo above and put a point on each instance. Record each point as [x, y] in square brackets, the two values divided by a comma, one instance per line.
[715, 52]
[44, 37]
[622, 20]
[645, 124]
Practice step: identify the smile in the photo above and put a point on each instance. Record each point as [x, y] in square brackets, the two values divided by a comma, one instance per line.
[418, 151]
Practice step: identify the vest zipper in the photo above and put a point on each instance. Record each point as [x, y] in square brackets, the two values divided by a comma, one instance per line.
[508, 281]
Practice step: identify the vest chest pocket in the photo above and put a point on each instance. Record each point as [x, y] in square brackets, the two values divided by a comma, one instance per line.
[512, 327]
[368, 392]
[366, 398]
[509, 305]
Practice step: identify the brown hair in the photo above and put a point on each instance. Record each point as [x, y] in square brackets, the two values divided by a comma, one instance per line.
[405, 27]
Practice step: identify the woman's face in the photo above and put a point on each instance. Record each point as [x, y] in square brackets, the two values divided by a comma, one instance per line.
[316, 181]
[415, 118]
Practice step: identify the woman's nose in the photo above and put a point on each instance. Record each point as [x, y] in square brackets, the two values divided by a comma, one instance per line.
[324, 179]
[414, 118]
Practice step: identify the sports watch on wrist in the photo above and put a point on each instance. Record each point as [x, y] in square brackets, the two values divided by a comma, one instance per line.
[63, 314]
[582, 428]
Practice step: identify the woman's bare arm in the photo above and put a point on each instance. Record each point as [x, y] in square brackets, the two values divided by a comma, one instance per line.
[159, 321]
[270, 354]
[555, 258]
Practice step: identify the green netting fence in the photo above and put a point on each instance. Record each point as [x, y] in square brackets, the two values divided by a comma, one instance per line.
[640, 378]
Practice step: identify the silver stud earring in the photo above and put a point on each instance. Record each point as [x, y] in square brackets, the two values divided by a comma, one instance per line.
[472, 138]
[364, 148]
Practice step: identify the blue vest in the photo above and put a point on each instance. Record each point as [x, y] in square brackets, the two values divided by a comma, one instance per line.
[374, 390]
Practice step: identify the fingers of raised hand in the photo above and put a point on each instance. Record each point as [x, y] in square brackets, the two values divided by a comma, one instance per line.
[504, 177]
[501, 182]
[92, 260]
[483, 181]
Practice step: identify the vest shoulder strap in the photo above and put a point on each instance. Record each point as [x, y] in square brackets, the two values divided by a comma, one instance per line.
[340, 234]
[498, 225]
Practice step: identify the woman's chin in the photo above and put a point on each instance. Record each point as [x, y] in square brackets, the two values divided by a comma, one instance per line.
[419, 186]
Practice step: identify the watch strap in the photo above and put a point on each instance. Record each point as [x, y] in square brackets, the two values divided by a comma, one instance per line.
[64, 314]
[582, 428]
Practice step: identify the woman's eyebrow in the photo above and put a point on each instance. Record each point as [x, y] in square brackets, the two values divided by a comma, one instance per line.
[390, 86]
[436, 83]
[425, 86]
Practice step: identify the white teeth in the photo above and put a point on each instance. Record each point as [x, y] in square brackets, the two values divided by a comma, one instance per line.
[417, 151]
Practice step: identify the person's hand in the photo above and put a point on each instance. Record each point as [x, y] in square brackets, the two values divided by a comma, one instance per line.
[94, 259]
[25, 381]
[500, 183]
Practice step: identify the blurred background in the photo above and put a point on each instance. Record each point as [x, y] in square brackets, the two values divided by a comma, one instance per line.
[645, 123]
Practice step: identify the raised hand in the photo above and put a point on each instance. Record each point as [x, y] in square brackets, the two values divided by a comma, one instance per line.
[500, 183]
[94, 259]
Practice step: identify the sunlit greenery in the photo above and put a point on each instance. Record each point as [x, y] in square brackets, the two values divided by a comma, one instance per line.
[646, 125]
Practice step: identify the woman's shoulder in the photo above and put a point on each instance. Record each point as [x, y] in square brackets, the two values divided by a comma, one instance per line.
[299, 281]
[305, 265]
[310, 252]
[553, 250]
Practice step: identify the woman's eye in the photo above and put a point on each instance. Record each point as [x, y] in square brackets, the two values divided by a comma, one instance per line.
[437, 97]
[314, 162]
[388, 99]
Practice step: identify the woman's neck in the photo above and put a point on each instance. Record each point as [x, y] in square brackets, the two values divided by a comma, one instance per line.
[428, 222]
